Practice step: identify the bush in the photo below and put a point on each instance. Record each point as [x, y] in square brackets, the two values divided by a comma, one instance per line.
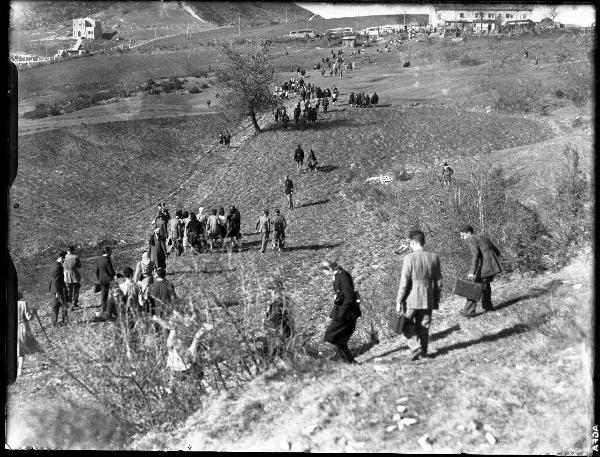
[507, 92]
[467, 60]
[204, 86]
[194, 90]
[41, 111]
[150, 82]
[578, 82]
[168, 86]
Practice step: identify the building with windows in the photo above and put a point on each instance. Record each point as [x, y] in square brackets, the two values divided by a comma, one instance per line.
[478, 18]
[87, 28]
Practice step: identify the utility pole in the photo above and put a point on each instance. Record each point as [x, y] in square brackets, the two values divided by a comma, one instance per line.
[286, 21]
[405, 19]
[155, 32]
[239, 26]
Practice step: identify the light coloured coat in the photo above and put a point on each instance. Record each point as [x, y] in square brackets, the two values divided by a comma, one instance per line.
[420, 282]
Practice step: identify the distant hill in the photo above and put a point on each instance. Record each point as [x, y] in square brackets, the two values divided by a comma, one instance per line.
[30, 15]
[251, 13]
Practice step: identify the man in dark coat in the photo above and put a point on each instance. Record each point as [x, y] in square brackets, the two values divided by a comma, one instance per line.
[484, 266]
[299, 157]
[160, 293]
[157, 248]
[105, 274]
[289, 191]
[279, 320]
[344, 313]
[59, 289]
[374, 98]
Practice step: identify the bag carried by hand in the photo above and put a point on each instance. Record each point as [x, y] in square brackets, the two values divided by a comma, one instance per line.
[97, 288]
[397, 322]
[468, 289]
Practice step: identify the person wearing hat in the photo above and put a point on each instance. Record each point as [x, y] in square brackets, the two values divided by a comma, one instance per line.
[279, 225]
[26, 342]
[279, 320]
[419, 293]
[263, 226]
[59, 289]
[345, 312]
[484, 266]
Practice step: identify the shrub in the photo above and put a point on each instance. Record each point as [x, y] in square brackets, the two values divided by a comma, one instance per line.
[168, 86]
[507, 92]
[53, 110]
[194, 90]
[204, 86]
[578, 82]
[41, 111]
[150, 82]
[467, 60]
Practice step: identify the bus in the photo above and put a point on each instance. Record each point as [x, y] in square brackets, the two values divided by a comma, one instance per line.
[339, 32]
[301, 34]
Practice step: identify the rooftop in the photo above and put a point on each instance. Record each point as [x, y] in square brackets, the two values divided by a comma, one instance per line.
[481, 7]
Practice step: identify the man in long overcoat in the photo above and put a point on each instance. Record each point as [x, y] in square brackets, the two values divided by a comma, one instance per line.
[345, 312]
[59, 289]
[419, 293]
[105, 274]
[157, 249]
[484, 266]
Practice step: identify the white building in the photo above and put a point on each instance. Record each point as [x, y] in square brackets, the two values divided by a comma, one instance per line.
[479, 17]
[87, 28]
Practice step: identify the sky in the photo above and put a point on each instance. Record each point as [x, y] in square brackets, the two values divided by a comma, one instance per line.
[583, 15]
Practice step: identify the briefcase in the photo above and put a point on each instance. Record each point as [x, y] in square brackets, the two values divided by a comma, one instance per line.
[97, 288]
[468, 289]
[397, 322]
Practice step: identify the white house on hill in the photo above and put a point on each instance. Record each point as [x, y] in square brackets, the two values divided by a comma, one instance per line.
[87, 28]
[478, 16]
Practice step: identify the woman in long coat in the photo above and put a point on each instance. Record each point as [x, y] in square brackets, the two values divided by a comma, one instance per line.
[26, 342]
[157, 248]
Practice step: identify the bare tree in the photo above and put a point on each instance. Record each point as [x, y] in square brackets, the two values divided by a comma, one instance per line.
[247, 79]
[552, 13]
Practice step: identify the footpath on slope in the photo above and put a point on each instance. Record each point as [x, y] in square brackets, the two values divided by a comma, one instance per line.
[512, 374]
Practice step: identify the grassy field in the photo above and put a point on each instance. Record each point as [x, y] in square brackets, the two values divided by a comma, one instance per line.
[103, 181]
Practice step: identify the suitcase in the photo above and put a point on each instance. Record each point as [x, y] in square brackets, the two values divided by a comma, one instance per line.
[397, 322]
[468, 289]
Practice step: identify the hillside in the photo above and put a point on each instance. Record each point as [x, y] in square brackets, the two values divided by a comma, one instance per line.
[249, 13]
[520, 370]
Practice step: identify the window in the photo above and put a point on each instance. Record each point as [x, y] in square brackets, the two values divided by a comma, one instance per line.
[523, 16]
[440, 16]
[508, 15]
[461, 15]
[490, 15]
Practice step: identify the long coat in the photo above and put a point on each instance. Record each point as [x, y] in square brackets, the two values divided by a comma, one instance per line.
[484, 257]
[72, 264]
[345, 310]
[158, 250]
[104, 270]
[57, 283]
[420, 280]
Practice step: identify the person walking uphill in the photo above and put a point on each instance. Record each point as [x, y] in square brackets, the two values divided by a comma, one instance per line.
[419, 293]
[59, 289]
[105, 274]
[299, 157]
[157, 248]
[288, 191]
[264, 227]
[345, 311]
[72, 264]
[279, 225]
[484, 266]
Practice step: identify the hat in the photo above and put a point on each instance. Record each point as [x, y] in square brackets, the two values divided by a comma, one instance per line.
[62, 253]
[277, 211]
[465, 229]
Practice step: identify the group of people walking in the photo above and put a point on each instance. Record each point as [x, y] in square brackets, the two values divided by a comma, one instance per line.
[363, 101]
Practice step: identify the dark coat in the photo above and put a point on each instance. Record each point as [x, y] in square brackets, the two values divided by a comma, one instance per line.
[57, 283]
[104, 270]
[345, 307]
[374, 99]
[289, 186]
[484, 257]
[158, 250]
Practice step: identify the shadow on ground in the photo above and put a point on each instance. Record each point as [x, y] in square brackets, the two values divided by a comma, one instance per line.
[320, 202]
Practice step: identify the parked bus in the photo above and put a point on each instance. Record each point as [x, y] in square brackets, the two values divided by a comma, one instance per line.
[339, 32]
[301, 34]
